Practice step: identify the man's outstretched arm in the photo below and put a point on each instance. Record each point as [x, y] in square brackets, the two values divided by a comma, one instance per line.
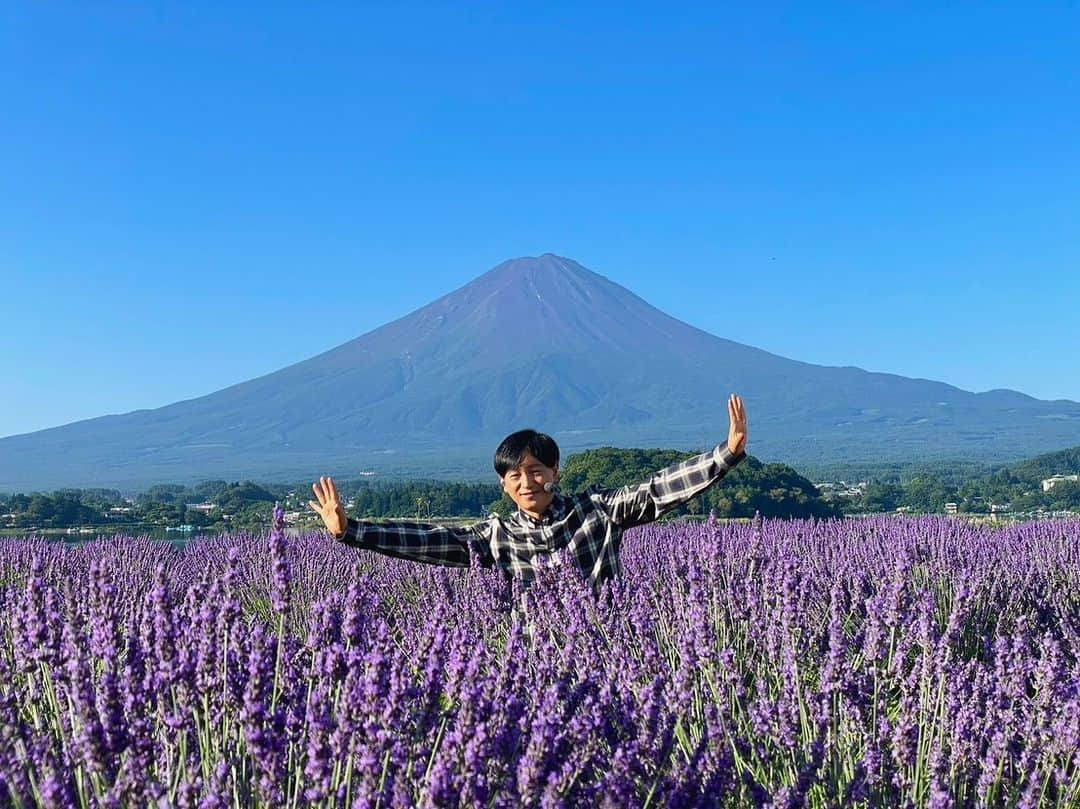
[421, 542]
[673, 486]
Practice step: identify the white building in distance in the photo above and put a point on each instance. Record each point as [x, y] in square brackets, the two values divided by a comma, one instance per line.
[1054, 480]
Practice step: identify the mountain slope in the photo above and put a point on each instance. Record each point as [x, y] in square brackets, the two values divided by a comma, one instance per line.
[540, 342]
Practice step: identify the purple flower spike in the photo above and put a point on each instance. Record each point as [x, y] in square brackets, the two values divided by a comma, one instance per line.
[279, 590]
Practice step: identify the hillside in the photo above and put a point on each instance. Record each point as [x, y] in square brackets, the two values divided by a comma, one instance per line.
[540, 342]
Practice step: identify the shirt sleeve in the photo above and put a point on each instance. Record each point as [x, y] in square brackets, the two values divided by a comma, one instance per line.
[421, 542]
[644, 502]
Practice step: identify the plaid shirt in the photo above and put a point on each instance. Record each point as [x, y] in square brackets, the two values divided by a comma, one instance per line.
[586, 528]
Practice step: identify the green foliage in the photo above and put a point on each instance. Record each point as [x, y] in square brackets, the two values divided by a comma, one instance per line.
[209, 490]
[239, 497]
[254, 516]
[774, 490]
[1018, 486]
[952, 472]
[880, 496]
[927, 494]
[163, 513]
[421, 499]
[58, 511]
[1063, 497]
[1065, 462]
[611, 467]
[99, 499]
[169, 493]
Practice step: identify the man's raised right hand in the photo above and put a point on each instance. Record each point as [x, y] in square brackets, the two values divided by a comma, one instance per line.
[329, 507]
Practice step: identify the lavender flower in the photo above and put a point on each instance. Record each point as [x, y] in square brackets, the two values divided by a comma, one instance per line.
[279, 591]
[884, 661]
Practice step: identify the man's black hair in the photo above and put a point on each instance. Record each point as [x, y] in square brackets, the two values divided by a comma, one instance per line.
[513, 448]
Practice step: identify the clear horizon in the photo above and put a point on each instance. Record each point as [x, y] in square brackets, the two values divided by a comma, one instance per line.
[194, 196]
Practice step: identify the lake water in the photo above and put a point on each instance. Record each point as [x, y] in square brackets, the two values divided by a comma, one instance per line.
[157, 532]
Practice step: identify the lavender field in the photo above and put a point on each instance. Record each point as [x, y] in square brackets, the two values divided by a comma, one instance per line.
[900, 662]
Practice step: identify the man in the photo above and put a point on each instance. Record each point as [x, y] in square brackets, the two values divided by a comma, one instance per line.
[548, 526]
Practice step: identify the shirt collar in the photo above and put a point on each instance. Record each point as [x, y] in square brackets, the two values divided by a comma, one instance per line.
[555, 510]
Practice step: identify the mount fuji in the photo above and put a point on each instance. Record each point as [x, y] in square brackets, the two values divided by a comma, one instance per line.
[535, 342]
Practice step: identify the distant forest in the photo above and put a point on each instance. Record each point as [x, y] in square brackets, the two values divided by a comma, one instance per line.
[773, 490]
[1016, 487]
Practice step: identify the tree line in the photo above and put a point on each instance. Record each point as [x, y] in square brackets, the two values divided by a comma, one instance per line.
[928, 493]
[772, 490]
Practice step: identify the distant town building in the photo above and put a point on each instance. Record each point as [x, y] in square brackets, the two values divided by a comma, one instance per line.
[1054, 480]
[205, 508]
[842, 488]
[951, 508]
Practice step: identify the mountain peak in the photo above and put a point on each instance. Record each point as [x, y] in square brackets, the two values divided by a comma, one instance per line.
[535, 266]
[552, 295]
[519, 285]
[547, 260]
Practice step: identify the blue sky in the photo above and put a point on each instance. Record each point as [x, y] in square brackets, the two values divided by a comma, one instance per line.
[192, 195]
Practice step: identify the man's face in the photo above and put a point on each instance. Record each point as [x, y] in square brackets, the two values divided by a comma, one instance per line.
[525, 485]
